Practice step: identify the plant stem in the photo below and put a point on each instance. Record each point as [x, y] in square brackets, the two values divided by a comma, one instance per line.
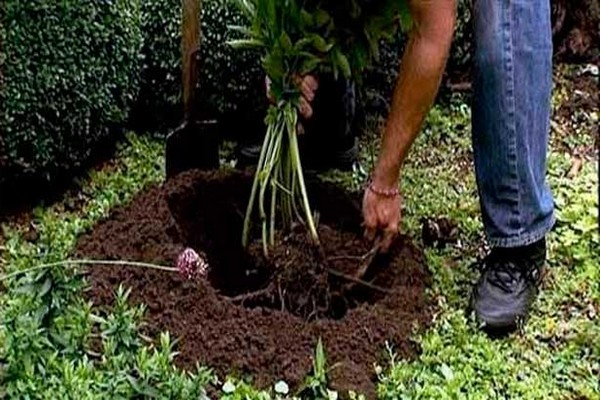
[88, 262]
[266, 173]
[286, 177]
[273, 210]
[247, 218]
[292, 121]
[262, 173]
[265, 243]
[279, 160]
[282, 188]
[267, 169]
[294, 191]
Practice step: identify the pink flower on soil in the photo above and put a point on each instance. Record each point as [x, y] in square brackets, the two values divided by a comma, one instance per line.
[191, 265]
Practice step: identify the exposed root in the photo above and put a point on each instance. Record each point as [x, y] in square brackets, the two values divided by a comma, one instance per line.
[367, 261]
[305, 282]
[345, 258]
[358, 281]
[255, 296]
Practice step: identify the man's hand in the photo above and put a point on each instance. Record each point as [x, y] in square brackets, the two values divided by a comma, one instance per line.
[381, 218]
[421, 71]
[309, 86]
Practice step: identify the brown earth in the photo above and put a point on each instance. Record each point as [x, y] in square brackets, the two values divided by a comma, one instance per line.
[573, 117]
[575, 30]
[272, 337]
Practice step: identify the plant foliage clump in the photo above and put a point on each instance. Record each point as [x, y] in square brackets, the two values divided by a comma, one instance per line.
[296, 38]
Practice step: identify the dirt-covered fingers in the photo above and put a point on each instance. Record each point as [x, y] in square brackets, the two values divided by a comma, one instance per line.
[381, 218]
[389, 234]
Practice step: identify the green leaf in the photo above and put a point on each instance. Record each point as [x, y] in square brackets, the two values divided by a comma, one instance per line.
[319, 363]
[446, 372]
[45, 287]
[342, 62]
[274, 66]
[302, 43]
[246, 44]
[246, 7]
[361, 57]
[309, 65]
[405, 16]
[244, 30]
[41, 313]
[28, 288]
[321, 18]
[60, 339]
[286, 43]
[307, 19]
[320, 44]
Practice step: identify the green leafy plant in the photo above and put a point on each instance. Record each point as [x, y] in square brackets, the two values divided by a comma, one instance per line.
[316, 385]
[296, 38]
[82, 352]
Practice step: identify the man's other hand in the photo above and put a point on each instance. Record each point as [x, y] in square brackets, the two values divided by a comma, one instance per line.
[308, 86]
[381, 217]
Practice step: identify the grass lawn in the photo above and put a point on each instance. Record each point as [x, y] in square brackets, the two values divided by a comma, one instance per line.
[54, 345]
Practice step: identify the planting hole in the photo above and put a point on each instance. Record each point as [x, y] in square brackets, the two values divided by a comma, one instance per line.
[296, 277]
[204, 210]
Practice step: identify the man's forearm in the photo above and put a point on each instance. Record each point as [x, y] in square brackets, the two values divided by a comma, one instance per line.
[421, 71]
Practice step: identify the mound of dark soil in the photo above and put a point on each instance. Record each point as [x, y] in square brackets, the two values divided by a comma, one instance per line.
[257, 317]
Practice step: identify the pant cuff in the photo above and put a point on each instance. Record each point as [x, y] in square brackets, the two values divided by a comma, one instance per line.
[524, 239]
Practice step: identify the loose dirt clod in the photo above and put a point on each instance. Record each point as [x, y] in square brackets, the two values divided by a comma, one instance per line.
[257, 317]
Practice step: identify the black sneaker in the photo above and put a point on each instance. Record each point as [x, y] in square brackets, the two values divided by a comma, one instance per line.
[508, 285]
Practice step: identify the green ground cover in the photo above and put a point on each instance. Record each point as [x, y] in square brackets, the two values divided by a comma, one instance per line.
[55, 345]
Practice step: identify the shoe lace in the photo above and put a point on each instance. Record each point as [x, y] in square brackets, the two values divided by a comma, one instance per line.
[504, 273]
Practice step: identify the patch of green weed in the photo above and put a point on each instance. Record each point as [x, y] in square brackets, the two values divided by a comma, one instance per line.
[557, 354]
[52, 343]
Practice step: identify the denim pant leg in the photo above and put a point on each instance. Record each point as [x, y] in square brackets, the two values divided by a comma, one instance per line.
[511, 118]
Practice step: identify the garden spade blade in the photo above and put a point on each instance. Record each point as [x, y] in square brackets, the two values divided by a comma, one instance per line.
[365, 264]
[194, 144]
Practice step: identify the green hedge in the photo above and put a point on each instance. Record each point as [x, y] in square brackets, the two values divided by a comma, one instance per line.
[160, 87]
[70, 75]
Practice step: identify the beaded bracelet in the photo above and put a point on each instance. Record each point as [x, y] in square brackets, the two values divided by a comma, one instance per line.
[383, 192]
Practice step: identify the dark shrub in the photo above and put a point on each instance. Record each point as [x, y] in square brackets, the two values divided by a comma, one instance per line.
[70, 73]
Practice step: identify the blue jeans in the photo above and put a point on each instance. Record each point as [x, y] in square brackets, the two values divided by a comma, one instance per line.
[511, 118]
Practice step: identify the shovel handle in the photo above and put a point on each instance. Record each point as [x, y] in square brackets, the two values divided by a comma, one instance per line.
[190, 42]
